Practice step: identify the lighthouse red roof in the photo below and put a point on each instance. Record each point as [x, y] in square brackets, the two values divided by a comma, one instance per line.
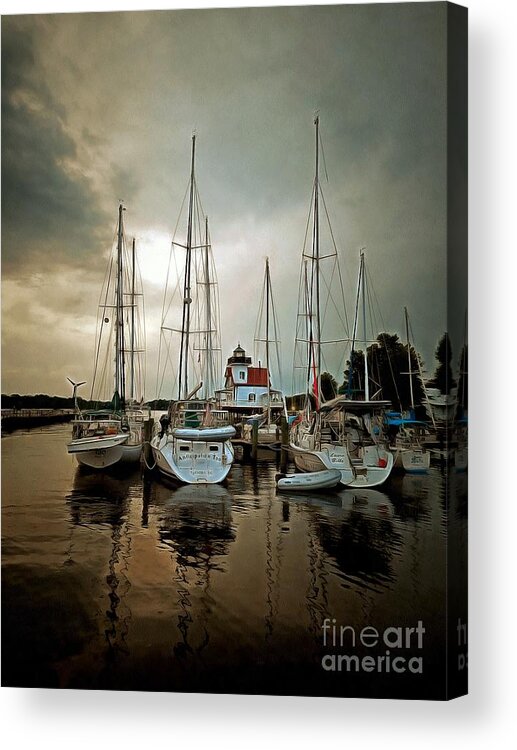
[257, 376]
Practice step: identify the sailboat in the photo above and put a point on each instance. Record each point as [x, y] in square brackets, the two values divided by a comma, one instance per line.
[248, 393]
[113, 435]
[274, 399]
[342, 433]
[193, 444]
[408, 433]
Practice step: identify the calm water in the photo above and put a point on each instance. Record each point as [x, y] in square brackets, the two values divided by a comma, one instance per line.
[116, 582]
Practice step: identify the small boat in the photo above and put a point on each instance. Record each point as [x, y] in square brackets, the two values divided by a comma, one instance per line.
[316, 480]
[408, 436]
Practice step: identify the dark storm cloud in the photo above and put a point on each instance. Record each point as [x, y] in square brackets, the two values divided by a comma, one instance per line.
[99, 107]
[124, 184]
[48, 208]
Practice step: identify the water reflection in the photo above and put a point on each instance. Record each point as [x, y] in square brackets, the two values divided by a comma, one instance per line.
[195, 526]
[410, 497]
[195, 523]
[459, 492]
[355, 531]
[115, 581]
[98, 500]
[363, 543]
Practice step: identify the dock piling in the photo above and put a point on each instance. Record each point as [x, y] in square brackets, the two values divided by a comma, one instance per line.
[147, 435]
[284, 452]
[254, 440]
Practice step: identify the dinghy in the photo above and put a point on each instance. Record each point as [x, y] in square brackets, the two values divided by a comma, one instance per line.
[316, 480]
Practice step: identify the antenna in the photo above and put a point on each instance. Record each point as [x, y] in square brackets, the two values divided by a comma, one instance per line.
[75, 387]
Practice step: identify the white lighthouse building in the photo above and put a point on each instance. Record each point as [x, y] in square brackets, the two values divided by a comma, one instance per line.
[247, 390]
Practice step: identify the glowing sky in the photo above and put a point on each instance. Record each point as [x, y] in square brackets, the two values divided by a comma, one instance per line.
[98, 107]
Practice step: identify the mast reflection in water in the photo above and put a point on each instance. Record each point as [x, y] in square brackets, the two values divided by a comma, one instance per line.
[114, 582]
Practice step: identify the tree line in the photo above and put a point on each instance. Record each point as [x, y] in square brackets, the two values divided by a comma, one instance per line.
[44, 401]
[389, 378]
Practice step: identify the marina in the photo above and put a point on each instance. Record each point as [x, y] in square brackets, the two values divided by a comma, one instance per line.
[117, 582]
[349, 428]
[211, 544]
[235, 350]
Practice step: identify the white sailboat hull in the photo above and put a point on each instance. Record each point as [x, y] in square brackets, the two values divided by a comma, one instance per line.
[100, 458]
[461, 459]
[132, 450]
[196, 460]
[131, 454]
[104, 442]
[371, 472]
[98, 453]
[412, 460]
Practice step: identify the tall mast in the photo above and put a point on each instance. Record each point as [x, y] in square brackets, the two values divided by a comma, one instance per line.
[309, 334]
[133, 273]
[268, 293]
[120, 375]
[365, 342]
[185, 323]
[410, 372]
[208, 335]
[354, 332]
[316, 256]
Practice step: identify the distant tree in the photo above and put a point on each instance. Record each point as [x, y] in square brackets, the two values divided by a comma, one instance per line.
[388, 370]
[329, 390]
[354, 375]
[443, 379]
[463, 379]
[328, 386]
[44, 401]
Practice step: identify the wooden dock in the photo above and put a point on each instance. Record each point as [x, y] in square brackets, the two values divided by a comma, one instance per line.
[17, 419]
[274, 444]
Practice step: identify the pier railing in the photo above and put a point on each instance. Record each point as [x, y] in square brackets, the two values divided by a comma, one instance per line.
[13, 419]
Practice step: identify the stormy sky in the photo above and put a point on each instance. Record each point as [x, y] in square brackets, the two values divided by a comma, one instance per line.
[101, 107]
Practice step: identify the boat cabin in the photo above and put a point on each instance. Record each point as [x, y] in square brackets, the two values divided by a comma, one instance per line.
[95, 424]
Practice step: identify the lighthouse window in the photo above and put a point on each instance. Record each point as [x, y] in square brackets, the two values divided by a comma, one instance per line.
[252, 397]
[214, 448]
[242, 375]
[184, 448]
